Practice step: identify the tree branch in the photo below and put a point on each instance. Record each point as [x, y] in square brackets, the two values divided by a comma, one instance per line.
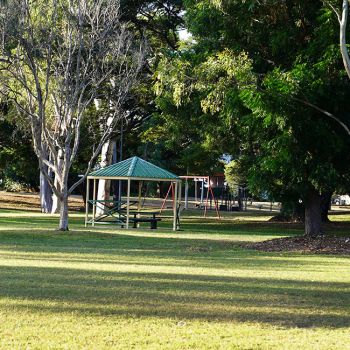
[342, 37]
[326, 113]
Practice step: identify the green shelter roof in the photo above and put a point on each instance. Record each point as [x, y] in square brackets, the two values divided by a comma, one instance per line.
[134, 167]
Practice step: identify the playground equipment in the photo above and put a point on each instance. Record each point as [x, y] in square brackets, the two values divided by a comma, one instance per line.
[204, 182]
[233, 201]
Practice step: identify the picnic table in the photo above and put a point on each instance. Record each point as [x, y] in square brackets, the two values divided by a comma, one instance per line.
[151, 218]
[110, 209]
[117, 211]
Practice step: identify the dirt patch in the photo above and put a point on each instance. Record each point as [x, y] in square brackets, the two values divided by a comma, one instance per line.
[31, 201]
[320, 245]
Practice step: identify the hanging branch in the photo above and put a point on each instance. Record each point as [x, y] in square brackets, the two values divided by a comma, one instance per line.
[342, 17]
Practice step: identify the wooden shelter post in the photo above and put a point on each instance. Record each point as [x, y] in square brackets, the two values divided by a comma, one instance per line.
[128, 205]
[94, 204]
[195, 190]
[139, 201]
[87, 201]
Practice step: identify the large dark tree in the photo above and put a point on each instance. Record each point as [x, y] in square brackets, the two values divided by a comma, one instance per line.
[269, 71]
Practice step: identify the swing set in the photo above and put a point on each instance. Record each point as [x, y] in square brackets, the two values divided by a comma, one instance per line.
[204, 182]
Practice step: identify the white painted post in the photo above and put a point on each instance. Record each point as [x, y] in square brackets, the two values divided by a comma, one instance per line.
[128, 205]
[195, 190]
[186, 194]
[94, 204]
[202, 192]
[87, 202]
[139, 203]
[179, 202]
[175, 205]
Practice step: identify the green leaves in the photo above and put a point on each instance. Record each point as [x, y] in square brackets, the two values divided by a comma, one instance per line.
[173, 77]
[246, 79]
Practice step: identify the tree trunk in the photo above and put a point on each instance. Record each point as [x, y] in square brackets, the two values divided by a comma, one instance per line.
[325, 205]
[104, 186]
[313, 214]
[56, 202]
[45, 189]
[45, 195]
[240, 199]
[63, 223]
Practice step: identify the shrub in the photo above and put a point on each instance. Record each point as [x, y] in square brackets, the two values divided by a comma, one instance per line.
[11, 185]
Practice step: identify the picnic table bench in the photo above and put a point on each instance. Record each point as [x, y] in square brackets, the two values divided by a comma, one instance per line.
[117, 212]
[152, 219]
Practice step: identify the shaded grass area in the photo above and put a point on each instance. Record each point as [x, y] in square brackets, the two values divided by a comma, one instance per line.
[195, 289]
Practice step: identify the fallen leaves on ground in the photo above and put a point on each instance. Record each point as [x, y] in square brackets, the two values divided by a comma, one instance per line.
[323, 244]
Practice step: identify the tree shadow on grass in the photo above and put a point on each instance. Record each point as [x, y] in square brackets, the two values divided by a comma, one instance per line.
[49, 223]
[280, 302]
[109, 248]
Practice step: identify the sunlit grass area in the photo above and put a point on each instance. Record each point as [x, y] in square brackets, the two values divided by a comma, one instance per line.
[108, 288]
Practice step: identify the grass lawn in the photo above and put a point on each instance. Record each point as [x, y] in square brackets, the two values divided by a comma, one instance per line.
[106, 288]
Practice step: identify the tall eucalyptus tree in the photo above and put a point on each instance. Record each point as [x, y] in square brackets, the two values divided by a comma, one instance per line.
[56, 58]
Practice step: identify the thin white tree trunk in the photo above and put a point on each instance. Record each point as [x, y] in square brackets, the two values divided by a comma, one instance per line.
[343, 48]
[56, 202]
[45, 195]
[45, 189]
[104, 186]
